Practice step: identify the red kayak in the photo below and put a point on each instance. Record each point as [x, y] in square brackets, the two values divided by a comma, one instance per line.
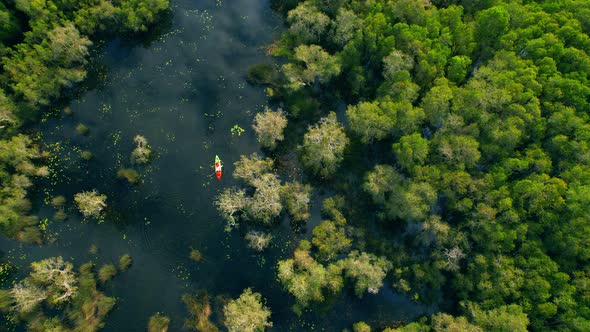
[218, 167]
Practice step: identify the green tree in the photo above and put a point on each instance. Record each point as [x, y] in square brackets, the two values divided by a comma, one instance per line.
[330, 239]
[367, 271]
[370, 121]
[307, 22]
[297, 197]
[247, 313]
[306, 279]
[314, 64]
[411, 151]
[323, 146]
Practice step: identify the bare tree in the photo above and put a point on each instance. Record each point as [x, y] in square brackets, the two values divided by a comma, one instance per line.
[453, 256]
[27, 296]
[230, 202]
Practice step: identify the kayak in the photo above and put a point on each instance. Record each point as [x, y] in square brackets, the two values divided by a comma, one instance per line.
[218, 167]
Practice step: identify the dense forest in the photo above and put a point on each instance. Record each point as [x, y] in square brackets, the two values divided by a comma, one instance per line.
[466, 131]
[449, 141]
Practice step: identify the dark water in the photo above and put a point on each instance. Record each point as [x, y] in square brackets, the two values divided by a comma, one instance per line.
[184, 92]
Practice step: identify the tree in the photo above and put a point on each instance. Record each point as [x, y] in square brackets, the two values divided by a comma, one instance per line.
[307, 22]
[367, 270]
[27, 296]
[411, 151]
[125, 262]
[446, 323]
[323, 146]
[57, 277]
[395, 64]
[200, 310]
[247, 313]
[297, 197]
[107, 272]
[252, 167]
[459, 151]
[269, 127]
[361, 327]
[370, 121]
[229, 203]
[258, 240]
[306, 279]
[504, 318]
[142, 152]
[314, 65]
[330, 239]
[67, 46]
[158, 323]
[345, 26]
[90, 203]
[266, 202]
[490, 25]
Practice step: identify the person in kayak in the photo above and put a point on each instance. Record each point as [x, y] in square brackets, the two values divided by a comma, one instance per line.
[218, 167]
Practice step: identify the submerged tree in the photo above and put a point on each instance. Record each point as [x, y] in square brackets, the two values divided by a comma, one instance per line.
[269, 127]
[306, 279]
[90, 203]
[297, 198]
[307, 22]
[200, 312]
[158, 323]
[247, 313]
[323, 146]
[142, 152]
[230, 203]
[258, 240]
[314, 65]
[367, 270]
[266, 202]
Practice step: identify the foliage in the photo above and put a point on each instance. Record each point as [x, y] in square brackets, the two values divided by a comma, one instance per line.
[82, 129]
[70, 298]
[199, 308]
[485, 106]
[142, 152]
[297, 198]
[323, 146]
[129, 174]
[269, 127]
[158, 323]
[367, 270]
[258, 240]
[90, 203]
[125, 262]
[306, 279]
[196, 255]
[107, 272]
[247, 313]
[17, 165]
[313, 65]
